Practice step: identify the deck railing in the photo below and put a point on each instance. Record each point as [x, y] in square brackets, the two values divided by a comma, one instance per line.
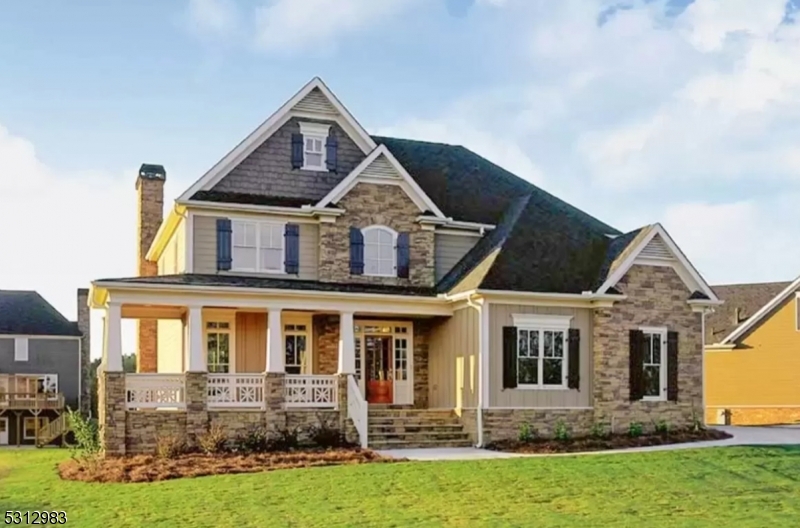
[31, 401]
[235, 390]
[311, 391]
[153, 391]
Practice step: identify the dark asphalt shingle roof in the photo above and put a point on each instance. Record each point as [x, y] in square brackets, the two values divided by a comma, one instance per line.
[252, 199]
[27, 313]
[239, 281]
[747, 299]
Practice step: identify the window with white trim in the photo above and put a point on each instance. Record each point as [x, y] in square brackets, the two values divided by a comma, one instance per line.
[29, 426]
[295, 338]
[380, 251]
[258, 246]
[218, 346]
[655, 363]
[315, 136]
[542, 351]
[20, 349]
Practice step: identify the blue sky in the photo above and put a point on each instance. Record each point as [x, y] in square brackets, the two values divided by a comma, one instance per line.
[680, 112]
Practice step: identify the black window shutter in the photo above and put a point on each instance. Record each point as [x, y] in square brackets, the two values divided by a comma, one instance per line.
[574, 374]
[356, 251]
[636, 365]
[509, 357]
[224, 230]
[672, 366]
[403, 255]
[291, 238]
[297, 150]
[331, 155]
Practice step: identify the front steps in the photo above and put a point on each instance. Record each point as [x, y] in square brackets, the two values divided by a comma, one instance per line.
[391, 427]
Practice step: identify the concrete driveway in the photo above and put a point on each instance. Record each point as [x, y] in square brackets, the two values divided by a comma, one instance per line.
[778, 435]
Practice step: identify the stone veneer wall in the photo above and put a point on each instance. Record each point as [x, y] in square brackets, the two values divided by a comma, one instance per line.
[656, 297]
[326, 344]
[112, 415]
[500, 424]
[421, 350]
[369, 204]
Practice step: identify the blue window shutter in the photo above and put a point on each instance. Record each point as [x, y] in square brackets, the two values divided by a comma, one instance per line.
[224, 231]
[331, 148]
[291, 238]
[403, 255]
[297, 150]
[356, 251]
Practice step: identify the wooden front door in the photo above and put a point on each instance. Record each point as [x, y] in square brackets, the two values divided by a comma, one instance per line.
[379, 372]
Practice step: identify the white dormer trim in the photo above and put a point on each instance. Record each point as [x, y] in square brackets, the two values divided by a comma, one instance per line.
[680, 264]
[740, 330]
[273, 123]
[559, 322]
[404, 180]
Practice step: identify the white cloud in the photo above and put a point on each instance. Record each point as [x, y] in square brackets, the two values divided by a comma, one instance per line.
[707, 23]
[291, 26]
[216, 18]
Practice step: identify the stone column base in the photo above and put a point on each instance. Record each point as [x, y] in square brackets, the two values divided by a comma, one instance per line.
[111, 412]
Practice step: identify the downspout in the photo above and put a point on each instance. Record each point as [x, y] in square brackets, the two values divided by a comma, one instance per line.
[481, 352]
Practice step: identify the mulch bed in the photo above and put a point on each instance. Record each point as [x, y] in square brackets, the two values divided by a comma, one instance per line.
[147, 468]
[576, 445]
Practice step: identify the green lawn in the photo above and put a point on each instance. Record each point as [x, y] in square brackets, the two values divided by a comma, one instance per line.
[708, 487]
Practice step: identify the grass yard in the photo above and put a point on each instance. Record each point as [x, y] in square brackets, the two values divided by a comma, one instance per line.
[741, 486]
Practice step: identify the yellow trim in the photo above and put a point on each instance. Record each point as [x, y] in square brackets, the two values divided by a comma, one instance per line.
[165, 232]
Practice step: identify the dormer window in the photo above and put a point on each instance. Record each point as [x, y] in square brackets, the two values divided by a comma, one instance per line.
[380, 251]
[315, 136]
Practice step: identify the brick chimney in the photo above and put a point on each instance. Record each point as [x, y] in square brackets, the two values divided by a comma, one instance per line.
[150, 204]
[84, 325]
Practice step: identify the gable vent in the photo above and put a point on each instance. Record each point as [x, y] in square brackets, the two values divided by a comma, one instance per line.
[315, 102]
[656, 249]
[381, 168]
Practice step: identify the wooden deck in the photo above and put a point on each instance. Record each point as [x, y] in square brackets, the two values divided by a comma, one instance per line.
[28, 401]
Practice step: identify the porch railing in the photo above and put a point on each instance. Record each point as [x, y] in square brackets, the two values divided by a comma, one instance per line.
[311, 391]
[357, 410]
[235, 390]
[33, 401]
[151, 391]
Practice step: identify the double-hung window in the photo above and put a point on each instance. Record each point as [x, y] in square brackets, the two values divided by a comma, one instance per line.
[542, 351]
[655, 363]
[218, 346]
[380, 251]
[258, 246]
[314, 138]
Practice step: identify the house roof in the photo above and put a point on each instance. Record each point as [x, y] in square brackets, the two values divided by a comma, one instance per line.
[253, 199]
[237, 281]
[27, 313]
[744, 300]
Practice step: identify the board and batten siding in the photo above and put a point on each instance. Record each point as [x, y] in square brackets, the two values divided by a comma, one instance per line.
[205, 248]
[500, 315]
[251, 342]
[449, 249]
[453, 361]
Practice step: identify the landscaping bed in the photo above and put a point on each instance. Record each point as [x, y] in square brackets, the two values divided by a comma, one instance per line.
[148, 468]
[606, 442]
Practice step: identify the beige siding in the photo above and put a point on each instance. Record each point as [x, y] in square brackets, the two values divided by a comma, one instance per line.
[205, 248]
[448, 249]
[453, 361]
[170, 346]
[500, 315]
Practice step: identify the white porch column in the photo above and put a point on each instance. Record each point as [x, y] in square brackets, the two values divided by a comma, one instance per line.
[347, 346]
[276, 362]
[195, 351]
[112, 347]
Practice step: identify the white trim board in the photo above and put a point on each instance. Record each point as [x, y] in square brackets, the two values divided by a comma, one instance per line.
[406, 182]
[268, 127]
[759, 315]
[683, 267]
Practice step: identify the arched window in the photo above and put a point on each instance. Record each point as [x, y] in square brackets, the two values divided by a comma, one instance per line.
[380, 251]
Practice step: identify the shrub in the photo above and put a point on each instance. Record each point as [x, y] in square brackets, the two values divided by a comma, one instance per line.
[87, 439]
[599, 430]
[284, 439]
[561, 431]
[635, 429]
[326, 433]
[170, 446]
[697, 423]
[661, 427]
[527, 434]
[255, 440]
[212, 442]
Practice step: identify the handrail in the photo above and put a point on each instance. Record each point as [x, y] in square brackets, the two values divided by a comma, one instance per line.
[31, 400]
[54, 428]
[357, 410]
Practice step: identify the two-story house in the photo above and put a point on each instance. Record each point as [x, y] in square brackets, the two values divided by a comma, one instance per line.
[397, 283]
[43, 361]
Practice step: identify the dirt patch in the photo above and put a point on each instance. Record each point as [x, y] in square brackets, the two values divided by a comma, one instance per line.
[576, 445]
[147, 468]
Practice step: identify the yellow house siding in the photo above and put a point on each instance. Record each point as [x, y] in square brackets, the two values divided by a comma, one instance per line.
[759, 380]
[172, 259]
[170, 346]
[453, 361]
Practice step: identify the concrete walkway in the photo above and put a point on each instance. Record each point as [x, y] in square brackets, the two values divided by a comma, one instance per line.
[780, 435]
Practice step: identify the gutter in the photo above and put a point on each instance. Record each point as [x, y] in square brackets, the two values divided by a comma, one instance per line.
[585, 296]
[305, 210]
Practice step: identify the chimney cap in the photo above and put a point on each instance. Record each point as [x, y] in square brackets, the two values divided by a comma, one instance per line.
[149, 171]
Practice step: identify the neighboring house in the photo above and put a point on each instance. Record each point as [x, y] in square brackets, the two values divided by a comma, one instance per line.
[319, 268]
[753, 355]
[41, 363]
